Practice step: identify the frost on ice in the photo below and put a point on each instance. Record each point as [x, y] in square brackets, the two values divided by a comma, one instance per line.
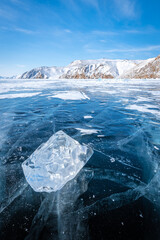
[55, 163]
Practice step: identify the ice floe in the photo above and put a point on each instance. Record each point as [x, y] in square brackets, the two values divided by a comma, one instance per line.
[55, 163]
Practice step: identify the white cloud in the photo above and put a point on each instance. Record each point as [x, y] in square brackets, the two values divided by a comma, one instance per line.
[20, 66]
[72, 5]
[103, 33]
[7, 13]
[93, 3]
[21, 3]
[126, 8]
[125, 50]
[134, 31]
[124, 31]
[148, 30]
[23, 30]
[102, 40]
[17, 29]
[67, 30]
[16, 1]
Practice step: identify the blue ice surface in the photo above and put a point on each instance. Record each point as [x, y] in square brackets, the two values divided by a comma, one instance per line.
[123, 129]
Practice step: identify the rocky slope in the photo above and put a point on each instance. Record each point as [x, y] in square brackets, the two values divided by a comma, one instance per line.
[101, 68]
[151, 69]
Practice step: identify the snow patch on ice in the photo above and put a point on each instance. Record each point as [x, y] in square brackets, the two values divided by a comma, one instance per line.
[87, 131]
[71, 95]
[146, 108]
[88, 117]
[18, 95]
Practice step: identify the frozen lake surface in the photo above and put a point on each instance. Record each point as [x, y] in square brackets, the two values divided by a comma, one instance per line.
[116, 195]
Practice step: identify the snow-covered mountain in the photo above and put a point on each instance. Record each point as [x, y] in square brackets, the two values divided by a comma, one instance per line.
[147, 69]
[101, 68]
[43, 72]
[13, 77]
[2, 77]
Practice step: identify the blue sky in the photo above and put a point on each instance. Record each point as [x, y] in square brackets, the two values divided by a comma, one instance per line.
[55, 32]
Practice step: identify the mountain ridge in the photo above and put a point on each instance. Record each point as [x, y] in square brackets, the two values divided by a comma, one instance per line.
[100, 68]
